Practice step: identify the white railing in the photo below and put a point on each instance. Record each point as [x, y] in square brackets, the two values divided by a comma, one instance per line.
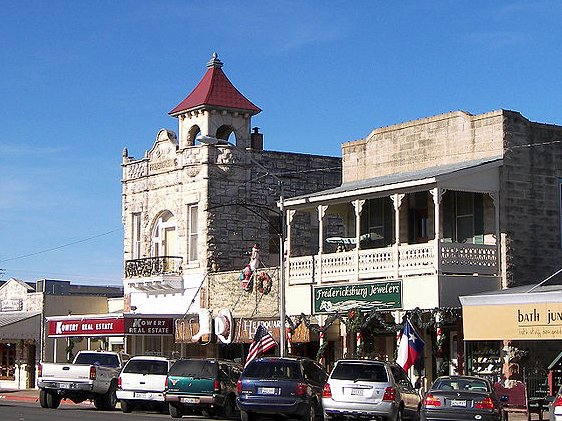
[381, 263]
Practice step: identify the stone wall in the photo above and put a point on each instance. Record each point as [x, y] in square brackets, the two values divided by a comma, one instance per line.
[225, 291]
[243, 201]
[439, 140]
[530, 197]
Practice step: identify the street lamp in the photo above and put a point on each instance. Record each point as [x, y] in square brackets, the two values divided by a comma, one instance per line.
[209, 140]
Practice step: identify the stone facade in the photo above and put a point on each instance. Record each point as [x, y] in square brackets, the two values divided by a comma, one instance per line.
[530, 177]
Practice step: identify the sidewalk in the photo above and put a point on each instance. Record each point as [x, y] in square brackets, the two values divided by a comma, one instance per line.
[29, 395]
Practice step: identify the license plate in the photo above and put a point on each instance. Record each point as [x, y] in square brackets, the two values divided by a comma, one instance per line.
[141, 395]
[64, 386]
[458, 402]
[357, 392]
[266, 390]
[189, 400]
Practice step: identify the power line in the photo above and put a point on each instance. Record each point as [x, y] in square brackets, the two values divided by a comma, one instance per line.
[61, 246]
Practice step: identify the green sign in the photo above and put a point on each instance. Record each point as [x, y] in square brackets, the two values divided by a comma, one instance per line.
[364, 296]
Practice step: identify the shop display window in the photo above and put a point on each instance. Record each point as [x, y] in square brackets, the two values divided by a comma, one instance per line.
[7, 361]
[485, 360]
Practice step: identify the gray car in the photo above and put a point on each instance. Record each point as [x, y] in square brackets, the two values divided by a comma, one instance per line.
[369, 389]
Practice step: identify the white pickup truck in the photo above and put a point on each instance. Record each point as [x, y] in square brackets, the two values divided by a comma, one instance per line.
[92, 375]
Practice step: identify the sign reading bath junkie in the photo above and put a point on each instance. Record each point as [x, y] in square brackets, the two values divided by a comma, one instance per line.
[364, 296]
[536, 321]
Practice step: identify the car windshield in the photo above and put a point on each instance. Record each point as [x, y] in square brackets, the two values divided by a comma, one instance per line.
[95, 358]
[359, 371]
[146, 367]
[273, 370]
[195, 368]
[475, 385]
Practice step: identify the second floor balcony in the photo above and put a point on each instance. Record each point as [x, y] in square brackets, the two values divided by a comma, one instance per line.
[153, 266]
[395, 262]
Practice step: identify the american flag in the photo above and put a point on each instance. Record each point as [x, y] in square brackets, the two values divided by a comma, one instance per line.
[263, 341]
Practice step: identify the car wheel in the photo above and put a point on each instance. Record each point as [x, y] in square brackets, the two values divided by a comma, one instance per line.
[126, 407]
[109, 400]
[53, 401]
[43, 398]
[310, 414]
[174, 411]
[229, 407]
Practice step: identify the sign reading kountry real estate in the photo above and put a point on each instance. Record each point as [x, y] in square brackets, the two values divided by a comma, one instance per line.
[364, 296]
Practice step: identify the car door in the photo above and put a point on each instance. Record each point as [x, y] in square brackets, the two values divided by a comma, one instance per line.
[409, 394]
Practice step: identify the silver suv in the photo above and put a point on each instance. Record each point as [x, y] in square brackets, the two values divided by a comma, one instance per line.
[369, 389]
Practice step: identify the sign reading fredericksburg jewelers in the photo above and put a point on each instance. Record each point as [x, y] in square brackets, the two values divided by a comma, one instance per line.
[364, 296]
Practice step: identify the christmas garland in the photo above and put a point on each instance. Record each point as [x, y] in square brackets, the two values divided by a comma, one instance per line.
[356, 321]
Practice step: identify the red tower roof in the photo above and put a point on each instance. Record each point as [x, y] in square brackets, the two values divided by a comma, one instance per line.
[216, 90]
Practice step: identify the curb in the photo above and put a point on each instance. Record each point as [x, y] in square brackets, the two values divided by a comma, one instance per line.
[35, 398]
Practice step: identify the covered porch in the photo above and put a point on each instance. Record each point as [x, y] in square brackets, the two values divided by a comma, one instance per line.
[439, 221]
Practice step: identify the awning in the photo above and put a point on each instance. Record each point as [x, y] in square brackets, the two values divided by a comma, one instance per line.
[526, 313]
[118, 324]
[20, 325]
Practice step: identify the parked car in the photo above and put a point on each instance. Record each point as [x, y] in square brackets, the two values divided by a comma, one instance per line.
[285, 386]
[92, 375]
[142, 382]
[460, 398]
[369, 389]
[206, 385]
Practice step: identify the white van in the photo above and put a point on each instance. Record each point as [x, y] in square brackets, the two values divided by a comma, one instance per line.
[142, 383]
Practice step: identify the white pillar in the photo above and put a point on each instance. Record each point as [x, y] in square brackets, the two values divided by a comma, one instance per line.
[397, 202]
[358, 206]
[437, 194]
[289, 215]
[321, 213]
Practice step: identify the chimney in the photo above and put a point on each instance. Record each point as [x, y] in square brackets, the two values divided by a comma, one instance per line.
[256, 139]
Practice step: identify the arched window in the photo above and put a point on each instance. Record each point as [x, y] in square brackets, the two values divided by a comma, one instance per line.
[164, 236]
[192, 135]
[226, 133]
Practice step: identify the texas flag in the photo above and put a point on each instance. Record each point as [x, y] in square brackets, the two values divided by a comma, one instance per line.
[411, 346]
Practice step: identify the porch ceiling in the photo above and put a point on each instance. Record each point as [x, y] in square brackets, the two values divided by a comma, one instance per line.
[479, 176]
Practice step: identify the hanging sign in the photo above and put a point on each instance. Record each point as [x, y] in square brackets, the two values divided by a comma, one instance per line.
[362, 295]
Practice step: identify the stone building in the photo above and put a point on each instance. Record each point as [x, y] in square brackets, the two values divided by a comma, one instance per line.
[197, 202]
[431, 209]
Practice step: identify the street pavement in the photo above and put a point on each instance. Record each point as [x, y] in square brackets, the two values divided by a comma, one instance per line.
[32, 395]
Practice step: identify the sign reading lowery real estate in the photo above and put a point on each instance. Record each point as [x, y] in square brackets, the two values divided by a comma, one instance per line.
[363, 295]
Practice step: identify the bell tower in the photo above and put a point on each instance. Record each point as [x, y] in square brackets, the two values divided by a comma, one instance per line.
[215, 108]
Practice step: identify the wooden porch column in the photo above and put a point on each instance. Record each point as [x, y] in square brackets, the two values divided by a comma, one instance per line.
[499, 240]
[397, 202]
[358, 206]
[321, 213]
[437, 194]
[290, 215]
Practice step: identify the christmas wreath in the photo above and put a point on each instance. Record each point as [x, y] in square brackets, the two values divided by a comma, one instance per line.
[264, 283]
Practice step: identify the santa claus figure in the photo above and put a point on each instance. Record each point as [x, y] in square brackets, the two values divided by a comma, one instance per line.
[246, 275]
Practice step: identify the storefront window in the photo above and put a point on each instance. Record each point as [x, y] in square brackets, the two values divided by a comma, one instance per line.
[7, 361]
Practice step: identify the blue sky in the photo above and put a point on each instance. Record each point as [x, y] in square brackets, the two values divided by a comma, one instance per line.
[81, 80]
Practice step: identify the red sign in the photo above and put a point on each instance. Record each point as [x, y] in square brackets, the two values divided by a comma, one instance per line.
[87, 327]
[111, 326]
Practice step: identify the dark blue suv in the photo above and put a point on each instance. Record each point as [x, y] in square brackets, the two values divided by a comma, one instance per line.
[288, 386]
